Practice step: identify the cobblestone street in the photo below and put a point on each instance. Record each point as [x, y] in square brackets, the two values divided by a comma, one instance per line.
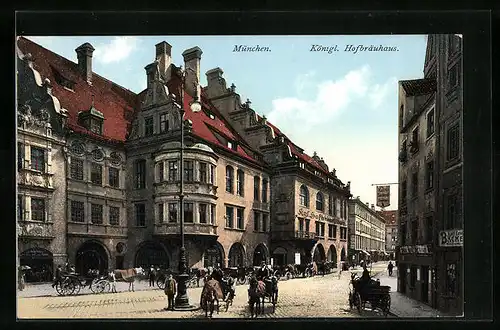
[303, 297]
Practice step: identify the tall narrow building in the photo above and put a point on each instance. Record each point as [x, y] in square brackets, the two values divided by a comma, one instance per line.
[430, 219]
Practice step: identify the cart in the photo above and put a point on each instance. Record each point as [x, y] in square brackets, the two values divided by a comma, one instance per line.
[377, 295]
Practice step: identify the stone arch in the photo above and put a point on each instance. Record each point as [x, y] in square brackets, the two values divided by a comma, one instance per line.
[92, 254]
[260, 254]
[236, 255]
[319, 254]
[332, 254]
[280, 256]
[150, 253]
[343, 255]
[41, 264]
[214, 255]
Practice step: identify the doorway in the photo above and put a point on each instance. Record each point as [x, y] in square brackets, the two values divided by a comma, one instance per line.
[425, 284]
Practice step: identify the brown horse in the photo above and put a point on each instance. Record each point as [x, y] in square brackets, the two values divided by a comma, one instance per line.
[257, 294]
[129, 276]
[211, 293]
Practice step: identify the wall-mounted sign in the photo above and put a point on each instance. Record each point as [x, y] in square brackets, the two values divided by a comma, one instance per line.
[383, 196]
[418, 249]
[453, 237]
[305, 213]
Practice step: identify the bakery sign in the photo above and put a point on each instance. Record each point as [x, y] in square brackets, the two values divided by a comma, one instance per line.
[305, 213]
[453, 237]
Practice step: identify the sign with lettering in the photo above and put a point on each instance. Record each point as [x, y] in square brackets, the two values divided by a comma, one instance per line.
[36, 253]
[305, 213]
[417, 249]
[383, 196]
[453, 237]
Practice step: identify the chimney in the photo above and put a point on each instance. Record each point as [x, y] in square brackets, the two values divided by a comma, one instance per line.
[216, 84]
[151, 73]
[164, 59]
[84, 55]
[192, 57]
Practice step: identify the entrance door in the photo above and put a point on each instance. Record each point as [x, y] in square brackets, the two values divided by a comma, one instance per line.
[119, 262]
[402, 278]
[425, 284]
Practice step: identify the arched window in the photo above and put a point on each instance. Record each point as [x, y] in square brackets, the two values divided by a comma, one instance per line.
[229, 179]
[256, 188]
[240, 182]
[304, 196]
[320, 205]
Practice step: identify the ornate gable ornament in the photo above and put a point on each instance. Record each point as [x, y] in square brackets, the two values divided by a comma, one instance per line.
[28, 119]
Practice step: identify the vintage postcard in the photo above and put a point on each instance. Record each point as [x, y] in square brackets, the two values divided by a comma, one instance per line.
[239, 176]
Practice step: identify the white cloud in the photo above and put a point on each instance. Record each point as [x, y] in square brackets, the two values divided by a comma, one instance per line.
[331, 98]
[118, 49]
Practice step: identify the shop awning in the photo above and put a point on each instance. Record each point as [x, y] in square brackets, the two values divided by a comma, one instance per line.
[365, 252]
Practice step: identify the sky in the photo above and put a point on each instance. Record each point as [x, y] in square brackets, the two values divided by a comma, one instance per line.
[342, 105]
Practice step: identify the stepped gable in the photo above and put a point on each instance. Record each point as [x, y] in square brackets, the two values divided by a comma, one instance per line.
[294, 149]
[204, 126]
[116, 103]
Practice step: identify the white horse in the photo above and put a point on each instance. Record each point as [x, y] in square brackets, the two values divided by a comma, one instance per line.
[129, 276]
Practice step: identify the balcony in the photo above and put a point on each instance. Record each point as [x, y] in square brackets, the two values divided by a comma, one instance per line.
[37, 230]
[171, 187]
[293, 235]
[173, 228]
[90, 229]
[33, 178]
[257, 205]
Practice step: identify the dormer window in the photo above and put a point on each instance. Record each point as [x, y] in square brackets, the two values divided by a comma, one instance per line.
[92, 120]
[231, 145]
[302, 165]
[63, 81]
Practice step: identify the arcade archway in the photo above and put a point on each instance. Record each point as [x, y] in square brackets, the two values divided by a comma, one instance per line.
[343, 255]
[279, 256]
[236, 256]
[319, 253]
[213, 256]
[332, 255]
[260, 254]
[40, 263]
[152, 254]
[91, 255]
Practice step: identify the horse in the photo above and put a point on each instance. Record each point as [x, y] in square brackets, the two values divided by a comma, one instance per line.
[129, 276]
[271, 283]
[210, 294]
[256, 293]
[201, 273]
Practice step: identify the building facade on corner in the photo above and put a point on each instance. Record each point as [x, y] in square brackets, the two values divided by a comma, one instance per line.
[366, 232]
[308, 201]
[430, 222]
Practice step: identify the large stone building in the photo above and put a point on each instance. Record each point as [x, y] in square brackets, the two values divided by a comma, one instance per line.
[308, 201]
[391, 231]
[110, 172]
[366, 232]
[430, 219]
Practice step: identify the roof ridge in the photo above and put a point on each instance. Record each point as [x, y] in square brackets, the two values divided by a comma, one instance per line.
[74, 64]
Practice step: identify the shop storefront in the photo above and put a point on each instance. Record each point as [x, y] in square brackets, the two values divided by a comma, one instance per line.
[39, 265]
[415, 272]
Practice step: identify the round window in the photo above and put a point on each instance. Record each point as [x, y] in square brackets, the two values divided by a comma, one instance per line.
[115, 158]
[120, 247]
[97, 154]
[78, 148]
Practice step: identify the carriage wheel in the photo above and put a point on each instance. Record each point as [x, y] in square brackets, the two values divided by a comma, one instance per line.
[94, 286]
[106, 286]
[59, 288]
[76, 286]
[160, 282]
[358, 303]
[68, 287]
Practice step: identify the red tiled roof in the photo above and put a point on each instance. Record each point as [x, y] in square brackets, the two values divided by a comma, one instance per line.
[116, 103]
[389, 216]
[417, 87]
[295, 152]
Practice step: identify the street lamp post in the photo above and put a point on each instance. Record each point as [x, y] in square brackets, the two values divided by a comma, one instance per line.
[182, 299]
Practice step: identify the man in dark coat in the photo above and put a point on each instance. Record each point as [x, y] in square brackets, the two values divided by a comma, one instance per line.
[170, 291]
[390, 267]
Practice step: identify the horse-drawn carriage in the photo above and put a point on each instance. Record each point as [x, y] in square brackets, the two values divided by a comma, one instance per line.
[219, 287]
[72, 283]
[361, 292]
[260, 290]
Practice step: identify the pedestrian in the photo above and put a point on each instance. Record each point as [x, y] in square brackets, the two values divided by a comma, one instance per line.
[170, 291]
[390, 267]
[152, 274]
[112, 277]
[21, 278]
[340, 269]
[57, 278]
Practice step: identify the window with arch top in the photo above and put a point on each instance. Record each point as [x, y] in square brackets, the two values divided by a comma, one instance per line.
[304, 196]
[320, 203]
[229, 179]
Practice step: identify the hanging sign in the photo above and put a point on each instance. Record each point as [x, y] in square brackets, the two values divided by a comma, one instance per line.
[297, 258]
[383, 196]
[453, 237]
